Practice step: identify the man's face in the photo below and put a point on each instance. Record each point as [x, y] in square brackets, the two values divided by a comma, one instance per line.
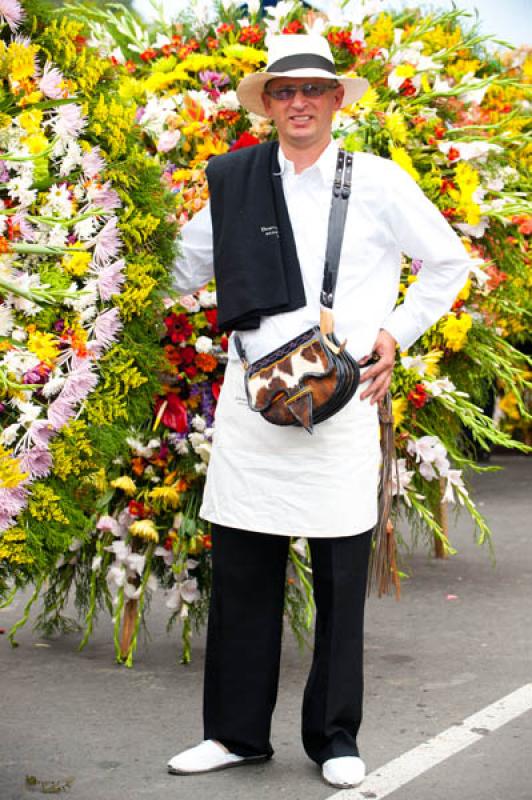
[303, 122]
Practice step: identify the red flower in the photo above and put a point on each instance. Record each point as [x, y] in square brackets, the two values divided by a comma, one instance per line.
[190, 371]
[251, 34]
[244, 140]
[216, 388]
[407, 88]
[137, 509]
[418, 396]
[224, 343]
[293, 27]
[149, 54]
[175, 413]
[453, 154]
[224, 28]
[211, 315]
[178, 327]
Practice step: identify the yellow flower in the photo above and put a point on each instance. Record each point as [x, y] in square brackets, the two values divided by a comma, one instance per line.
[125, 483]
[241, 55]
[455, 330]
[399, 407]
[381, 32]
[401, 157]
[10, 472]
[464, 293]
[45, 346]
[30, 121]
[211, 147]
[76, 264]
[144, 529]
[508, 405]
[36, 143]
[405, 71]
[369, 100]
[431, 359]
[395, 125]
[21, 60]
[160, 80]
[468, 182]
[168, 495]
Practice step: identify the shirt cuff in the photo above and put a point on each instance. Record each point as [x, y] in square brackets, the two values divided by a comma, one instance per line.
[402, 327]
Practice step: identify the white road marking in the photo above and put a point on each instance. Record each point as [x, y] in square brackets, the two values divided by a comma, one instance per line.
[415, 762]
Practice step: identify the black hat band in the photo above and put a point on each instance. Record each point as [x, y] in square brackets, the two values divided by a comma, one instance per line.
[302, 61]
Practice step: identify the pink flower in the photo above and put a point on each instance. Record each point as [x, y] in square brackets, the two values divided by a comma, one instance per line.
[50, 82]
[27, 230]
[40, 433]
[68, 121]
[79, 383]
[167, 141]
[92, 163]
[12, 502]
[107, 523]
[107, 242]
[104, 197]
[189, 302]
[106, 328]
[59, 412]
[12, 12]
[37, 461]
[110, 279]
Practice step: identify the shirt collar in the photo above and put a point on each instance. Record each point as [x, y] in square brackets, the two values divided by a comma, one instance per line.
[324, 166]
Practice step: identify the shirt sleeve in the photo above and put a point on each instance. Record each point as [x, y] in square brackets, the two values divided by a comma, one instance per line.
[422, 232]
[194, 268]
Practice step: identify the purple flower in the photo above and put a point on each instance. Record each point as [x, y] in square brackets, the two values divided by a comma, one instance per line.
[28, 232]
[12, 501]
[68, 121]
[417, 263]
[79, 383]
[105, 197]
[40, 433]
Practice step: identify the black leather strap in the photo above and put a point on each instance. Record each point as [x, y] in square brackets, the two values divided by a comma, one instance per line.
[335, 235]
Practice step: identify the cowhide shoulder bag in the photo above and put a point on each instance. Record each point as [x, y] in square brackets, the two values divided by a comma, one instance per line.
[311, 377]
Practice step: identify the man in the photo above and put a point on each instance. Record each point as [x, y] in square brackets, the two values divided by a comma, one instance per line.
[267, 483]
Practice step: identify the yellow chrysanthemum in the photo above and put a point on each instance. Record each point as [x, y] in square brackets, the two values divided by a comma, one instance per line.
[36, 143]
[125, 483]
[30, 121]
[381, 32]
[399, 407]
[432, 359]
[76, 264]
[455, 330]
[45, 346]
[211, 147]
[396, 127]
[161, 80]
[169, 496]
[369, 100]
[240, 55]
[21, 60]
[11, 474]
[144, 529]
[401, 157]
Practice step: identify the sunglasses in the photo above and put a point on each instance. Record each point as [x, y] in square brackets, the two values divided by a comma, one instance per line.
[309, 90]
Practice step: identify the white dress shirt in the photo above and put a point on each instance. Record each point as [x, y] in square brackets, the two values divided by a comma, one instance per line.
[388, 215]
[280, 480]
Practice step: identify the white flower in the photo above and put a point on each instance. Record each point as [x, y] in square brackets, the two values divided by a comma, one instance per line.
[203, 344]
[96, 563]
[204, 451]
[469, 151]
[131, 591]
[6, 320]
[414, 363]
[403, 475]
[19, 362]
[207, 299]
[136, 562]
[201, 469]
[9, 434]
[196, 439]
[429, 450]
[182, 447]
[167, 141]
[228, 100]
[19, 335]
[477, 231]
[120, 549]
[442, 387]
[198, 423]
[300, 547]
[116, 576]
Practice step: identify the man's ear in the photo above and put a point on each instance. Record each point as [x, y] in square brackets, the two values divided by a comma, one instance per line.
[338, 97]
[266, 101]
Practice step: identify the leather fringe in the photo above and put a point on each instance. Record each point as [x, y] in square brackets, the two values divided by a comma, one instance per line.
[383, 574]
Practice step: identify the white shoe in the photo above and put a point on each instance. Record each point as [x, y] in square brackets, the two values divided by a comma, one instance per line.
[344, 772]
[208, 757]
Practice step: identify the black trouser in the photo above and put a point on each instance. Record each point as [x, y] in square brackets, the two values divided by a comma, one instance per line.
[244, 642]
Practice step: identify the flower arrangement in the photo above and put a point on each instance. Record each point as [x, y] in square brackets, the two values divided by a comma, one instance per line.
[445, 109]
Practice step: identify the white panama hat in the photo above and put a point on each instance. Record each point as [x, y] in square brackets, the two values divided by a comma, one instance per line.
[296, 56]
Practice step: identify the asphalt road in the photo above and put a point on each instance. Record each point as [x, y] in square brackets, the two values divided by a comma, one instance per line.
[458, 641]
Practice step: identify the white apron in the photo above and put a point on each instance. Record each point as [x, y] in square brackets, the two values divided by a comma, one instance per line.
[283, 480]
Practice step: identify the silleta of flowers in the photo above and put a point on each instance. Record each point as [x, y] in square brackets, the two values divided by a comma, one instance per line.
[446, 109]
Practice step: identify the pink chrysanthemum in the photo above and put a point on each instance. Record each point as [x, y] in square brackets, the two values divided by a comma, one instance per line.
[92, 163]
[107, 326]
[107, 242]
[110, 279]
[51, 82]
[11, 12]
[37, 461]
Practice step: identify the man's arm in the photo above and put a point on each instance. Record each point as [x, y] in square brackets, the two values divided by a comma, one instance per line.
[421, 232]
[194, 268]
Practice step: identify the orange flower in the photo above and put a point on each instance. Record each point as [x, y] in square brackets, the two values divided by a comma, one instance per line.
[206, 362]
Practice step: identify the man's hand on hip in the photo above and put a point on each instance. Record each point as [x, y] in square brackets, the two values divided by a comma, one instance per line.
[380, 373]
